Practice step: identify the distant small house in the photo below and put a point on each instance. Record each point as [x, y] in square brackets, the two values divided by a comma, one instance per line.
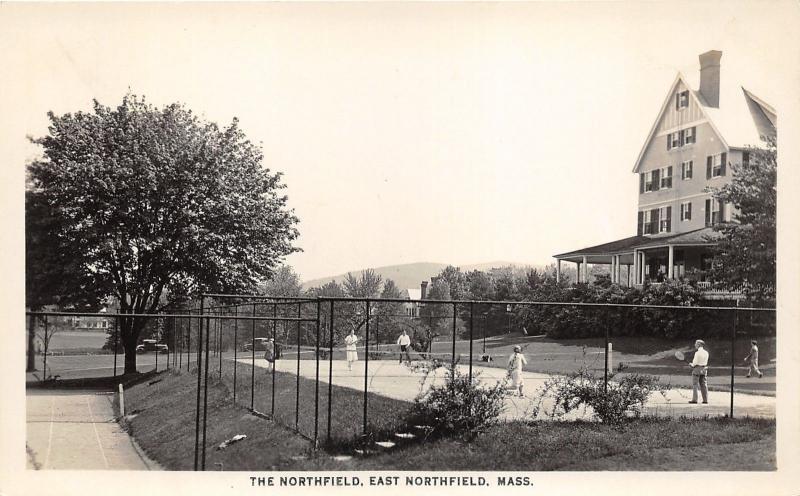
[412, 307]
[698, 134]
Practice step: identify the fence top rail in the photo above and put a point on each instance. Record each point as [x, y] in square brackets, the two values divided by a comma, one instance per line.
[539, 303]
[251, 303]
[258, 297]
[179, 315]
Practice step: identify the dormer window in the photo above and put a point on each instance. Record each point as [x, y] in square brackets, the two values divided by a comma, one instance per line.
[681, 100]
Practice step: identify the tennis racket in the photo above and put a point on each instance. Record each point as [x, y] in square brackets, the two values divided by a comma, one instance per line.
[680, 356]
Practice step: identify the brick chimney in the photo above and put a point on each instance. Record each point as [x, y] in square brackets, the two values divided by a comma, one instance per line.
[423, 289]
[709, 77]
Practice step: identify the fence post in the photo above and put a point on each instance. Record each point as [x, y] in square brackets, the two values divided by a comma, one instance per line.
[253, 359]
[605, 368]
[366, 368]
[189, 343]
[455, 310]
[156, 359]
[205, 393]
[274, 357]
[199, 355]
[330, 371]
[235, 346]
[116, 341]
[316, 384]
[733, 355]
[180, 348]
[297, 386]
[471, 321]
[46, 347]
[220, 327]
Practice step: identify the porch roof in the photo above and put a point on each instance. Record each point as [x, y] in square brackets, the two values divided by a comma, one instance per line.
[620, 245]
[698, 237]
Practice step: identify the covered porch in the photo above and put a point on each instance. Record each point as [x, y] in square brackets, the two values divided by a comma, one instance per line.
[638, 259]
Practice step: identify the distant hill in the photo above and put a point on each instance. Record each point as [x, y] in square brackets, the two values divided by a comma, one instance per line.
[410, 275]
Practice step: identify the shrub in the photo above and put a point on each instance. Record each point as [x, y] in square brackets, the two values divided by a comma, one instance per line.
[622, 398]
[460, 407]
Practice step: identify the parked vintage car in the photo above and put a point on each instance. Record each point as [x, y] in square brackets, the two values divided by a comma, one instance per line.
[152, 345]
[259, 344]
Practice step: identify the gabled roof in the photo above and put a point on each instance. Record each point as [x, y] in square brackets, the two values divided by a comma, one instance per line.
[740, 121]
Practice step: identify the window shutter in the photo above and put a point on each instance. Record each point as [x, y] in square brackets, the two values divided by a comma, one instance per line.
[689, 211]
[694, 134]
[669, 141]
[709, 162]
[708, 212]
[669, 174]
[721, 212]
[641, 183]
[640, 224]
[724, 163]
[656, 179]
[669, 219]
[654, 220]
[681, 137]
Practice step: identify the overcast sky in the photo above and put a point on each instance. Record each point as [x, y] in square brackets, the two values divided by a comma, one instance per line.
[458, 133]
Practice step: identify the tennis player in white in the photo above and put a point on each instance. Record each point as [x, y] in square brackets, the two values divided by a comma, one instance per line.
[699, 367]
[350, 345]
[404, 341]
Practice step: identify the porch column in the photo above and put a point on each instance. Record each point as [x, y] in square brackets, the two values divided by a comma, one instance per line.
[670, 271]
[558, 270]
[617, 270]
[635, 268]
[642, 270]
[585, 270]
[578, 270]
[628, 273]
[611, 271]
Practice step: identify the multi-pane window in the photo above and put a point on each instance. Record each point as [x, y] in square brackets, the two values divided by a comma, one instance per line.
[681, 100]
[665, 219]
[680, 138]
[648, 222]
[674, 139]
[717, 165]
[689, 136]
[666, 177]
[649, 184]
[686, 211]
[715, 212]
[686, 169]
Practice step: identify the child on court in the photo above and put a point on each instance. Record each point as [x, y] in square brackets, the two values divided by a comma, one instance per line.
[515, 363]
[350, 344]
[752, 359]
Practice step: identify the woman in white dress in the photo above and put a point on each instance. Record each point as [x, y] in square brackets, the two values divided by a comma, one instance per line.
[515, 363]
[352, 355]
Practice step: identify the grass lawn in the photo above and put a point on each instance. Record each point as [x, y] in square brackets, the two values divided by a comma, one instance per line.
[164, 427]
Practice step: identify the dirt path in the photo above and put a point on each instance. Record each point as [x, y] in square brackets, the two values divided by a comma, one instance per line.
[77, 430]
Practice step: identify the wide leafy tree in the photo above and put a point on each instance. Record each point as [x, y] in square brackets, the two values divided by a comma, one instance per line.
[147, 205]
[745, 253]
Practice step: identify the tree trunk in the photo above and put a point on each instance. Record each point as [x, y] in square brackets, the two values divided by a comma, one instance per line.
[130, 328]
[31, 365]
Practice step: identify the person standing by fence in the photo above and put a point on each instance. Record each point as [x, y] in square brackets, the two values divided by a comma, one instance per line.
[699, 366]
[270, 355]
[404, 341]
[350, 345]
[752, 360]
